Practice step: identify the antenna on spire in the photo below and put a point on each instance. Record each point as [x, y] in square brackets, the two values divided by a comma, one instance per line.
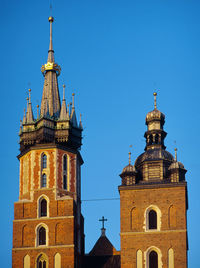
[175, 150]
[73, 94]
[27, 99]
[50, 8]
[64, 91]
[155, 100]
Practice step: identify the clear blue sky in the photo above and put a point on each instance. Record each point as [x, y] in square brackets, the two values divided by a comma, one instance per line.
[113, 53]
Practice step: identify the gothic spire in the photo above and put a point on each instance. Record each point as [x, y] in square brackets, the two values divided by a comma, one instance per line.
[73, 114]
[80, 122]
[50, 71]
[29, 116]
[63, 112]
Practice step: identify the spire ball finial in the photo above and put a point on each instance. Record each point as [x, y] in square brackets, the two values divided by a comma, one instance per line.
[155, 100]
[51, 19]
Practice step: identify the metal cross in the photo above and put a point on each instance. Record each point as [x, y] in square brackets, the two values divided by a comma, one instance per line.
[103, 220]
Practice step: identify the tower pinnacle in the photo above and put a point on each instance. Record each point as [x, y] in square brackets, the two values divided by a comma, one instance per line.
[50, 71]
[155, 100]
[51, 51]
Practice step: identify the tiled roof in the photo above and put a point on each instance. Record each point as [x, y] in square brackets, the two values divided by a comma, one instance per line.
[102, 261]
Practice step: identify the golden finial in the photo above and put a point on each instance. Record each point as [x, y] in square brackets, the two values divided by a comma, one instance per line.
[155, 100]
[80, 117]
[175, 149]
[51, 19]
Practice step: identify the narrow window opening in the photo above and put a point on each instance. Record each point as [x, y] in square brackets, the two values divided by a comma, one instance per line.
[44, 181]
[43, 208]
[42, 236]
[156, 139]
[40, 264]
[64, 182]
[44, 161]
[153, 260]
[65, 167]
[152, 219]
[65, 163]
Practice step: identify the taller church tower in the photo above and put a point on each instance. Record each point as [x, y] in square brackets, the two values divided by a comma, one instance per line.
[153, 204]
[48, 224]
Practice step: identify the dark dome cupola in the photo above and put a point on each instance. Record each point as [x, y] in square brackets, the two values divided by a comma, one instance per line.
[155, 134]
[153, 164]
[129, 173]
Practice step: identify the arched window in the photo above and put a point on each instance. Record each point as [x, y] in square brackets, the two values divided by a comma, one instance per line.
[43, 208]
[153, 259]
[42, 261]
[44, 180]
[44, 161]
[41, 236]
[152, 219]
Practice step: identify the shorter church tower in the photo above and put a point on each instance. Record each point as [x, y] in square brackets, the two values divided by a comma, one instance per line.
[153, 204]
[48, 224]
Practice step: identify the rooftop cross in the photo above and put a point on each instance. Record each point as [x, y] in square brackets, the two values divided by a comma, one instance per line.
[103, 220]
[129, 155]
